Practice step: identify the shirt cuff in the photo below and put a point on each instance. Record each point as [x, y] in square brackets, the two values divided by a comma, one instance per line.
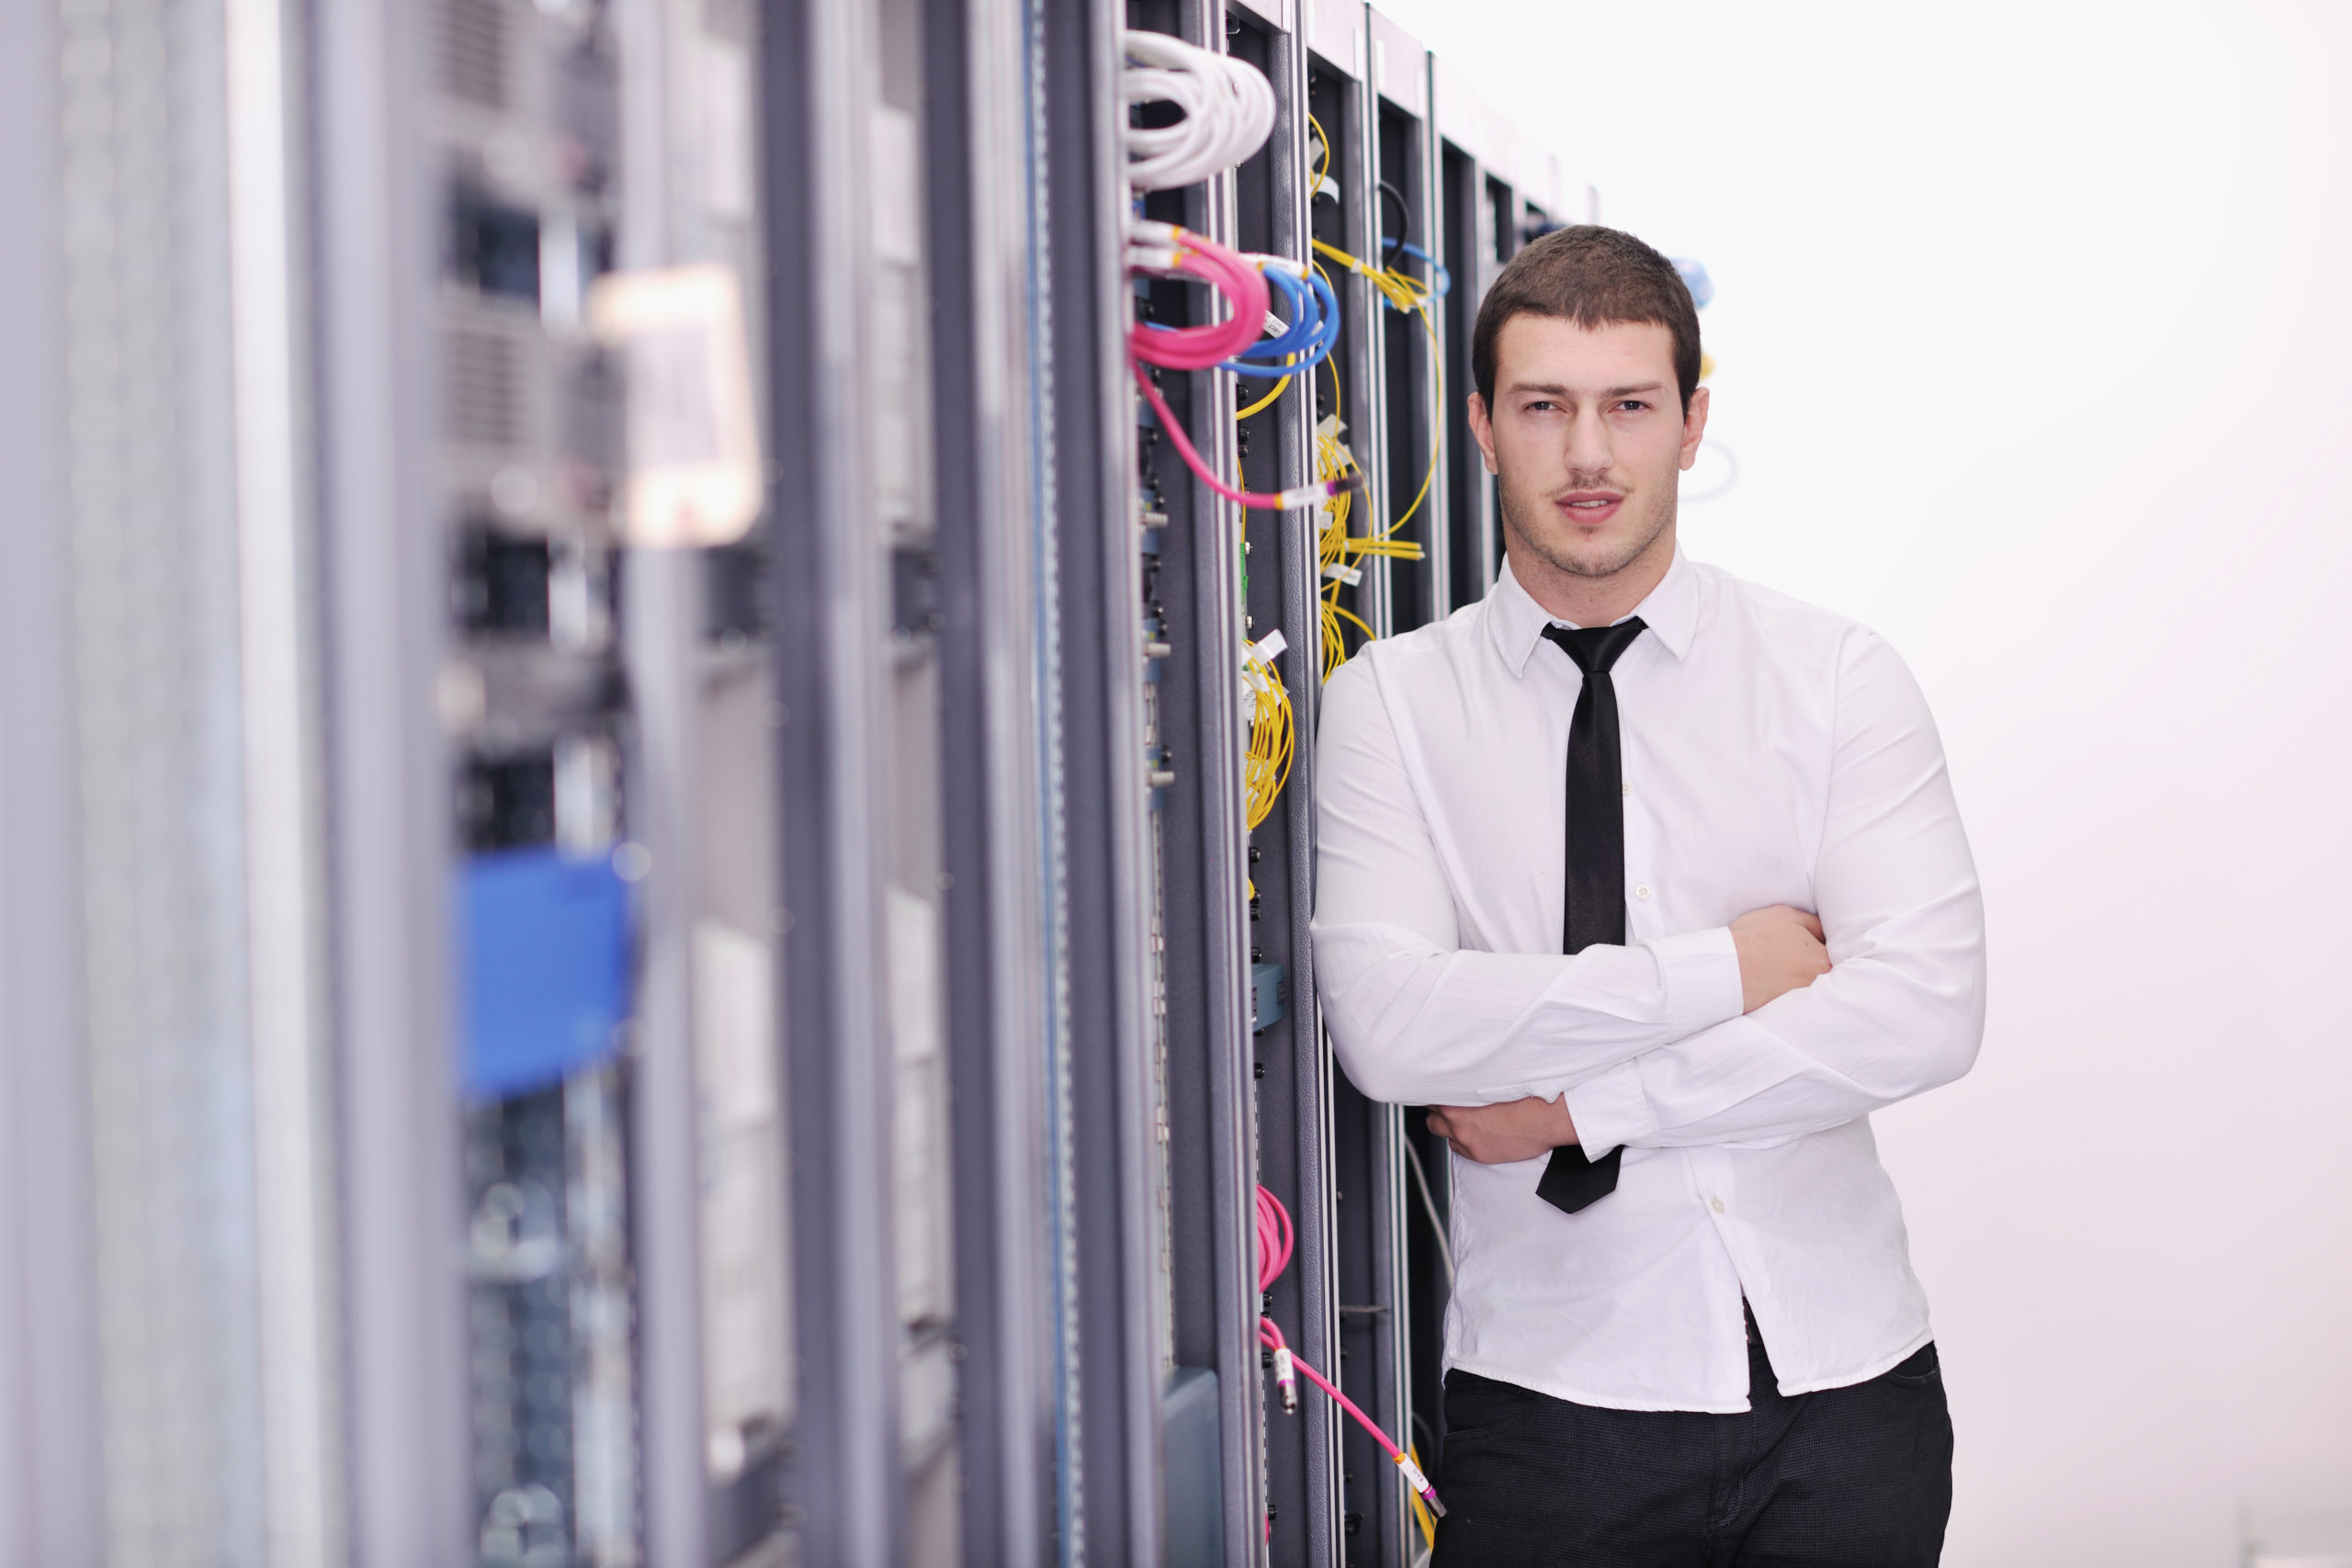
[1702, 973]
[1611, 1108]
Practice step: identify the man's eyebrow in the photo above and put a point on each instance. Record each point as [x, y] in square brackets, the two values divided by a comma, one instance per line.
[1553, 388]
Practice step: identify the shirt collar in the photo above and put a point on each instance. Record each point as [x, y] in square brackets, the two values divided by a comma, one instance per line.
[1516, 621]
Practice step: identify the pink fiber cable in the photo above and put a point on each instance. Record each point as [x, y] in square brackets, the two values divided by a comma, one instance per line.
[1232, 275]
[1274, 1242]
[1161, 247]
[1275, 1239]
[1264, 501]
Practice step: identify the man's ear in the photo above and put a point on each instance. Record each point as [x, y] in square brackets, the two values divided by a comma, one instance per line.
[1694, 425]
[1483, 428]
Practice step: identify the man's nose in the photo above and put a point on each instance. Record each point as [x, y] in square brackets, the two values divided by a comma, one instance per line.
[1588, 443]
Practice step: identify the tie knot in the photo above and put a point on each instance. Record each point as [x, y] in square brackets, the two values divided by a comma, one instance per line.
[1595, 648]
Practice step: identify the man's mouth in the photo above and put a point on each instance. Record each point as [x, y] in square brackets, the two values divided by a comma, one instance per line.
[1590, 506]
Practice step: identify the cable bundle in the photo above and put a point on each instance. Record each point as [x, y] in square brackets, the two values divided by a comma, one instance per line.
[1272, 728]
[1339, 553]
[1308, 339]
[1228, 111]
[1164, 248]
[1274, 1242]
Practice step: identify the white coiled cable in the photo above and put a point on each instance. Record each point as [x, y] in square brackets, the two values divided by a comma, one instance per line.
[1228, 110]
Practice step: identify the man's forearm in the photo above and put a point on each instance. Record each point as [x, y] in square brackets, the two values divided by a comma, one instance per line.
[1415, 1025]
[1862, 1038]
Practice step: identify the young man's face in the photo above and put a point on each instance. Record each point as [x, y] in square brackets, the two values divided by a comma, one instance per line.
[1587, 439]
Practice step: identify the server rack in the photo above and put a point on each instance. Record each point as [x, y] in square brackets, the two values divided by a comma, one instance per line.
[1111, 1303]
[1352, 112]
[925, 891]
[1412, 343]
[1291, 1070]
[1003, 873]
[1465, 126]
[1420, 452]
[1192, 563]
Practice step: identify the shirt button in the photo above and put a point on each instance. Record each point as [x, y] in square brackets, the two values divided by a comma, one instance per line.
[1716, 1205]
[1643, 891]
[1625, 787]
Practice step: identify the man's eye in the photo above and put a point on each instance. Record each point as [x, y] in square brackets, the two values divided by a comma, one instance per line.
[1633, 403]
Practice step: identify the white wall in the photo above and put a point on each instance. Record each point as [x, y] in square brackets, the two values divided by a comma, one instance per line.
[2035, 332]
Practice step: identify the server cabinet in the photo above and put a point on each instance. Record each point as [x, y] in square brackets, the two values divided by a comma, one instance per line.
[1192, 569]
[1367, 1158]
[922, 886]
[1466, 230]
[1365, 1134]
[1411, 341]
[1291, 1070]
[1004, 886]
[1112, 1307]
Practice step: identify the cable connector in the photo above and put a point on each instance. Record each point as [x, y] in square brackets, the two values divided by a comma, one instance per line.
[1152, 231]
[1287, 1378]
[1280, 264]
[1420, 1484]
[1321, 491]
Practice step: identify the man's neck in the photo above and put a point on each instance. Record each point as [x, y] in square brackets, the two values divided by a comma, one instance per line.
[1594, 601]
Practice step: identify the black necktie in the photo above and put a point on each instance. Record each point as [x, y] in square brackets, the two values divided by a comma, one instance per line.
[1596, 902]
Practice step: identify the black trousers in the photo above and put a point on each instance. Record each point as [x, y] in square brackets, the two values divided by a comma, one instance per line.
[1856, 1477]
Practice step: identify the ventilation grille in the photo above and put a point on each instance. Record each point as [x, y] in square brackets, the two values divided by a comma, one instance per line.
[484, 386]
[473, 51]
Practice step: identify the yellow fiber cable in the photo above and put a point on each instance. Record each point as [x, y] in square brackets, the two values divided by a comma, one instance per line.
[1274, 734]
[1268, 397]
[1338, 552]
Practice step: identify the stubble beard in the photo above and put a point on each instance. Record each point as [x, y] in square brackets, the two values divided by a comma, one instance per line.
[1522, 514]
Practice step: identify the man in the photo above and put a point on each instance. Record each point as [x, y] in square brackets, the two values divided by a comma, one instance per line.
[1651, 882]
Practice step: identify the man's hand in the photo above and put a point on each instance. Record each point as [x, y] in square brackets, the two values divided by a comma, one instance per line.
[1498, 1134]
[1779, 951]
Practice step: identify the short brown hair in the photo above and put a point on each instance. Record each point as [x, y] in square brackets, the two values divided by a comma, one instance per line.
[1595, 277]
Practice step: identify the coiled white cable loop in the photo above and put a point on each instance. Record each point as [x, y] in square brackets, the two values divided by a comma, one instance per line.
[1228, 110]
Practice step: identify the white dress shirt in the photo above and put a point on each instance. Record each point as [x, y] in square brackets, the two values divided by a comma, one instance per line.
[1773, 754]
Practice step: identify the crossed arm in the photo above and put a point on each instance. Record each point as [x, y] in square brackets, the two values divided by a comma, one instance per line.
[1877, 996]
[1779, 950]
